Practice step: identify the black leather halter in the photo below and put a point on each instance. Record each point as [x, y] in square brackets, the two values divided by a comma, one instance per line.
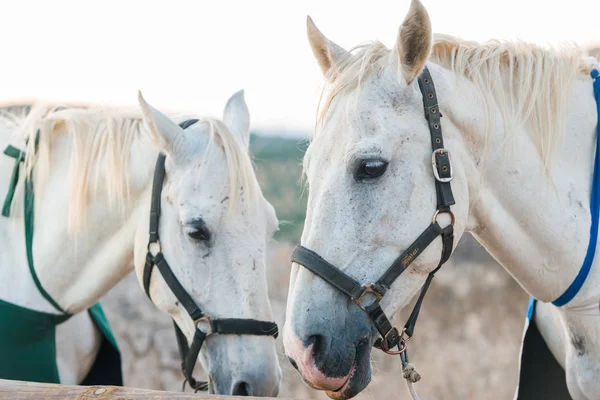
[368, 296]
[233, 326]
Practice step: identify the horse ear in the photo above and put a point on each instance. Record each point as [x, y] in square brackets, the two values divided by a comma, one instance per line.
[414, 41]
[165, 132]
[237, 117]
[327, 53]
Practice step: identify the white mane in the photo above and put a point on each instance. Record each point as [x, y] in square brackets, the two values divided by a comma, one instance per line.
[538, 81]
[99, 160]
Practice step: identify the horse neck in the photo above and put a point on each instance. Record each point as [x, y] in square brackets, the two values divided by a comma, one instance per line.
[535, 224]
[78, 271]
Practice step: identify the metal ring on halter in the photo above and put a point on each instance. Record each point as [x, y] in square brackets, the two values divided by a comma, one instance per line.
[194, 384]
[438, 212]
[157, 242]
[401, 348]
[401, 344]
[205, 318]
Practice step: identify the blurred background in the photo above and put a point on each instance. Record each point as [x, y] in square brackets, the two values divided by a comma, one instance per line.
[191, 56]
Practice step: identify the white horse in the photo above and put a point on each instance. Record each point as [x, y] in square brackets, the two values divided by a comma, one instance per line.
[92, 172]
[520, 123]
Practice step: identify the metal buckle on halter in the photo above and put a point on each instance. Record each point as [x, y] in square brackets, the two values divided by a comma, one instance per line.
[434, 165]
[368, 288]
[205, 318]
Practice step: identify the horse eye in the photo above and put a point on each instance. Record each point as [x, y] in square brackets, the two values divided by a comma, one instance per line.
[199, 231]
[370, 169]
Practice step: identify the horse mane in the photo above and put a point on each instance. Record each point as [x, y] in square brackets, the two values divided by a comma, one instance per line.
[101, 140]
[536, 89]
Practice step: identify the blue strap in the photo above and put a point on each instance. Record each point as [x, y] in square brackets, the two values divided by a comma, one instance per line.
[531, 308]
[594, 211]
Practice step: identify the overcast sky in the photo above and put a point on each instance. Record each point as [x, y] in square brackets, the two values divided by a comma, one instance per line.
[192, 55]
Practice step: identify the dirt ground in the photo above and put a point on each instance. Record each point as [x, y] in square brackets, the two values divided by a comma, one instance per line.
[466, 347]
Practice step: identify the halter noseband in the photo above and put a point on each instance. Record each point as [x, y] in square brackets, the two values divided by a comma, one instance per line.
[231, 326]
[368, 296]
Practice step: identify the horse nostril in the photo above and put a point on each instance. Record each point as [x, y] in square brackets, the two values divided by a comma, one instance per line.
[241, 389]
[317, 342]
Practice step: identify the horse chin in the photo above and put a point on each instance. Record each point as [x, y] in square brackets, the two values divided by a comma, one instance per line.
[360, 375]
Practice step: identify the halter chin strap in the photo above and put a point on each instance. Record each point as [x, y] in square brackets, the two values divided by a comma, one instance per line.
[368, 296]
[231, 326]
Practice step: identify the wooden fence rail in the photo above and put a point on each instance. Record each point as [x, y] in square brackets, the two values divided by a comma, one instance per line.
[33, 390]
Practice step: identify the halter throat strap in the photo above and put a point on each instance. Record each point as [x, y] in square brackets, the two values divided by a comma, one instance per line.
[368, 296]
[233, 326]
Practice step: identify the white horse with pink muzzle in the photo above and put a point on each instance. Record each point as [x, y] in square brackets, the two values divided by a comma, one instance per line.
[520, 124]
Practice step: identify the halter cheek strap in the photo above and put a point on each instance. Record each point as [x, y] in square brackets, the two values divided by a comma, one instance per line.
[227, 326]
